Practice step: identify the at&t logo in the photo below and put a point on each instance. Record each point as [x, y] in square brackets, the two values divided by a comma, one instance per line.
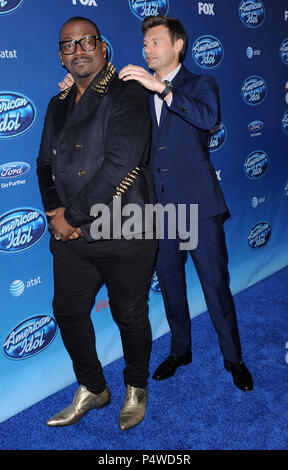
[254, 90]
[21, 229]
[252, 13]
[207, 51]
[143, 8]
[255, 201]
[17, 114]
[250, 52]
[17, 287]
[30, 337]
[7, 6]
[206, 8]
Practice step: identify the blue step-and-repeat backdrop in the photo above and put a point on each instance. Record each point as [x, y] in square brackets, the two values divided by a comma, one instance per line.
[244, 45]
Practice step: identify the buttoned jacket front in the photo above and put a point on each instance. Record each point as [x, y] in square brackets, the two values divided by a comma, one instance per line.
[96, 150]
[180, 161]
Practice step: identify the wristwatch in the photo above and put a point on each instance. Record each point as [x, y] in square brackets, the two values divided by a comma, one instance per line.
[167, 89]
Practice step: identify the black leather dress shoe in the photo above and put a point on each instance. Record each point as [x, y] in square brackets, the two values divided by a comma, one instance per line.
[241, 376]
[168, 367]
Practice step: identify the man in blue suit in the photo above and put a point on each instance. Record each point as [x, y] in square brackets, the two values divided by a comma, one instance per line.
[184, 107]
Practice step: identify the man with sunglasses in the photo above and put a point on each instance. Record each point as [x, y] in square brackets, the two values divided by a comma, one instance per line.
[94, 148]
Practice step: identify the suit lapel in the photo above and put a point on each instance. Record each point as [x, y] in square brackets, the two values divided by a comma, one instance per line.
[89, 102]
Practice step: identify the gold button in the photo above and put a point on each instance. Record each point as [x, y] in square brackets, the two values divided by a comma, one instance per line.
[54, 151]
[53, 177]
[78, 146]
[81, 172]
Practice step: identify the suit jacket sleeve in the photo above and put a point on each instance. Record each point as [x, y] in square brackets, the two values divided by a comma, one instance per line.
[50, 197]
[127, 137]
[197, 102]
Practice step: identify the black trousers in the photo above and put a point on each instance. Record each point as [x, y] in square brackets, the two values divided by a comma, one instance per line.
[210, 259]
[80, 269]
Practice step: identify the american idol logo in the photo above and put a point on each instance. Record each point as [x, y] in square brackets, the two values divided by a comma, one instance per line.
[259, 235]
[109, 49]
[143, 8]
[256, 164]
[13, 169]
[21, 229]
[7, 6]
[155, 286]
[217, 137]
[17, 114]
[284, 51]
[207, 51]
[252, 13]
[284, 122]
[30, 337]
[254, 90]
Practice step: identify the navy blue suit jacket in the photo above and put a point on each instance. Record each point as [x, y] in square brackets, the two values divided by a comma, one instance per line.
[179, 158]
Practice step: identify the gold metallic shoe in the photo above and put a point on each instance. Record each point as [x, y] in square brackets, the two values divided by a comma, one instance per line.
[83, 401]
[134, 407]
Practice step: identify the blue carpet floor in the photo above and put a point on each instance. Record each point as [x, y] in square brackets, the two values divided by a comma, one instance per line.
[199, 408]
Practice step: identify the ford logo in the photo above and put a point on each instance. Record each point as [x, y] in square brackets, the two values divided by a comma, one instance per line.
[255, 126]
[17, 114]
[284, 122]
[21, 229]
[207, 51]
[7, 6]
[13, 169]
[254, 90]
[259, 235]
[252, 13]
[284, 51]
[256, 164]
[217, 137]
[30, 337]
[143, 8]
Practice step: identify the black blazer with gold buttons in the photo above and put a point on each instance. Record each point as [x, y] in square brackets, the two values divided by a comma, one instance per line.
[97, 149]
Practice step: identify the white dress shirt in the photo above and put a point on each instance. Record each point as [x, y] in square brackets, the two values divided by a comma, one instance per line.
[157, 101]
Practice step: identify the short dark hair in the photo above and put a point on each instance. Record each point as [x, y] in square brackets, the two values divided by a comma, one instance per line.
[81, 18]
[174, 26]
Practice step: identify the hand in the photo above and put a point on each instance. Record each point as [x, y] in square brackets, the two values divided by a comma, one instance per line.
[67, 82]
[59, 226]
[133, 72]
[77, 234]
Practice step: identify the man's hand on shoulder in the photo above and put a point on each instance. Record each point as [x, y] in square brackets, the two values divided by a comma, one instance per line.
[133, 72]
[67, 82]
